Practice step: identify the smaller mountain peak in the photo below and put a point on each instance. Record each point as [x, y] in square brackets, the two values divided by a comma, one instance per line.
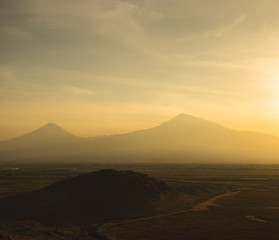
[51, 128]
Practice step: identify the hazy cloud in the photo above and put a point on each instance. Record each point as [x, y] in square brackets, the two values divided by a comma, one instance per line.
[187, 56]
[80, 91]
[220, 32]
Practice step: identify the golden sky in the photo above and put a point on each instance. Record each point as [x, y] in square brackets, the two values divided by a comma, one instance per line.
[112, 66]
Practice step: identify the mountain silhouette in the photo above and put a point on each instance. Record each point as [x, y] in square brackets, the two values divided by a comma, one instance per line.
[98, 196]
[185, 138]
[46, 136]
[182, 139]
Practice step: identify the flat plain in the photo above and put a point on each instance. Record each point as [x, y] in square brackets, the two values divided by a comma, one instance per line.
[228, 202]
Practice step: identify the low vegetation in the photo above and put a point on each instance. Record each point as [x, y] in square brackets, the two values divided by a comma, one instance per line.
[249, 214]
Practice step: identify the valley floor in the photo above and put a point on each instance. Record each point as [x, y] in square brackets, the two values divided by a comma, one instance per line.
[243, 216]
[231, 202]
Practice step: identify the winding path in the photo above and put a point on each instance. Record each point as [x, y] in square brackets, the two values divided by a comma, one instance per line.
[103, 229]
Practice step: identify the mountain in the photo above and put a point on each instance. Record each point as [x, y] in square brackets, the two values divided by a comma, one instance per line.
[187, 138]
[182, 139]
[46, 136]
[47, 143]
[93, 197]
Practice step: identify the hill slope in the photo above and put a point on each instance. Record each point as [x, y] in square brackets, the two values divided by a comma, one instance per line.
[93, 197]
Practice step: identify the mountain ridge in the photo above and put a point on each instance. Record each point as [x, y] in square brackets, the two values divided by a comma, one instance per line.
[178, 118]
[181, 138]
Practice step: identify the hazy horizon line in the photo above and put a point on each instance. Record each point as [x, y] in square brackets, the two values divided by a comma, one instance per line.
[128, 132]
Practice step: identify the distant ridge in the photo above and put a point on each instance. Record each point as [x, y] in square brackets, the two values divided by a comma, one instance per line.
[184, 138]
[103, 195]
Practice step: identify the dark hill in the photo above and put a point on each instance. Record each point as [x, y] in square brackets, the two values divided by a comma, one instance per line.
[90, 198]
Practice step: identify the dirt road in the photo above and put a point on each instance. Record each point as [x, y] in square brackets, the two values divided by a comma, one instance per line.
[103, 230]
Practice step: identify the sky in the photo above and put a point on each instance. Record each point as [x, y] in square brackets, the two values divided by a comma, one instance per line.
[98, 67]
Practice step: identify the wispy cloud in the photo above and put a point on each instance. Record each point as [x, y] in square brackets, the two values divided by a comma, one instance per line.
[80, 91]
[194, 54]
[14, 32]
[230, 26]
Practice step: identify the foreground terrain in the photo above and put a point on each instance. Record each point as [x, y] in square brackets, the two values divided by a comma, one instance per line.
[224, 202]
[245, 215]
